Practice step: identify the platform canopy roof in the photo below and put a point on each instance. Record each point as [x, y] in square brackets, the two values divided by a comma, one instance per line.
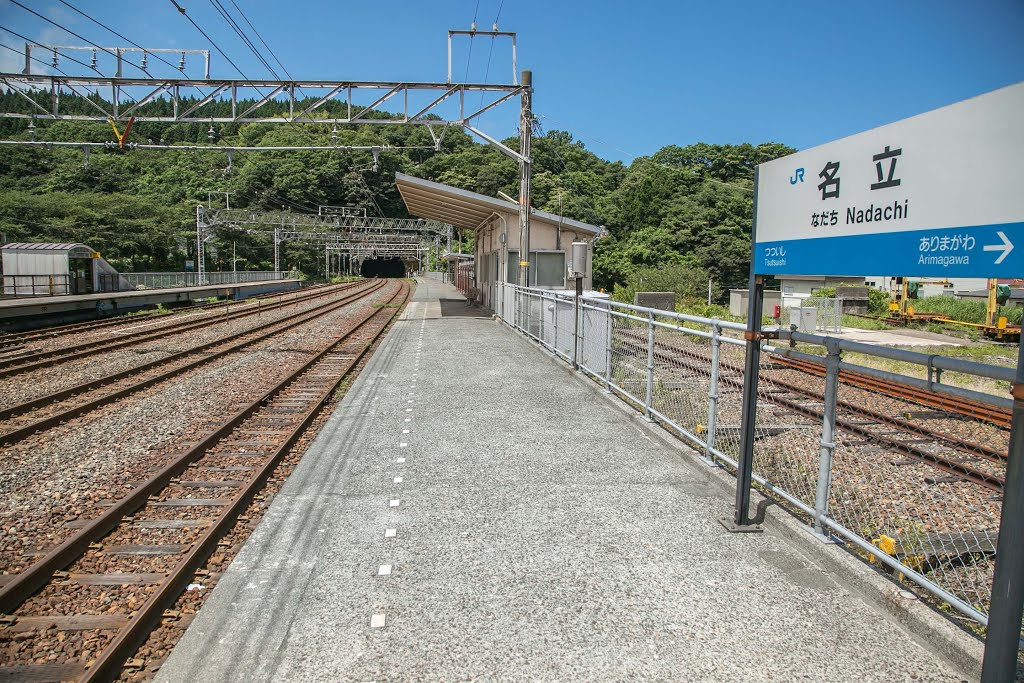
[45, 246]
[468, 210]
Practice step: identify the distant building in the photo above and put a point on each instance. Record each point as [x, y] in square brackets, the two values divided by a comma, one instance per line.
[796, 288]
[930, 286]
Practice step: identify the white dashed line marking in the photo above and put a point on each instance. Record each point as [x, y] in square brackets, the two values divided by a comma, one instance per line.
[395, 502]
[400, 461]
[390, 533]
[408, 410]
[408, 419]
[385, 570]
[403, 445]
[377, 621]
[398, 480]
[405, 431]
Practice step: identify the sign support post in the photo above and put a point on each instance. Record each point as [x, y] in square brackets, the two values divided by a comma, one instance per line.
[1002, 637]
[745, 464]
[933, 195]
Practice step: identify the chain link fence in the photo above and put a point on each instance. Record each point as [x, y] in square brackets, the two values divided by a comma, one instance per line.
[912, 488]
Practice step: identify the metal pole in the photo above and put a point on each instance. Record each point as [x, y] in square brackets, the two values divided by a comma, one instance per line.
[576, 324]
[745, 463]
[277, 243]
[525, 141]
[716, 353]
[650, 367]
[1004, 617]
[608, 353]
[828, 428]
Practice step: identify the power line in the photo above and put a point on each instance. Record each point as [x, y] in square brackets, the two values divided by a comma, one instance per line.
[246, 19]
[469, 57]
[29, 40]
[122, 37]
[245, 39]
[67, 30]
[19, 52]
[209, 39]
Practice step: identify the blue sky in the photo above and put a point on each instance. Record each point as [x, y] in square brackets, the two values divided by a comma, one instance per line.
[626, 78]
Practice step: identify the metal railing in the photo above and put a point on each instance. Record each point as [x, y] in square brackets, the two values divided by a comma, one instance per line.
[686, 373]
[37, 285]
[189, 279]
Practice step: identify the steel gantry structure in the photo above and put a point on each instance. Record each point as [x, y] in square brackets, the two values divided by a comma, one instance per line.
[348, 235]
[440, 106]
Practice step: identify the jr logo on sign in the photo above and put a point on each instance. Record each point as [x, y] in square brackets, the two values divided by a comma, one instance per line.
[798, 177]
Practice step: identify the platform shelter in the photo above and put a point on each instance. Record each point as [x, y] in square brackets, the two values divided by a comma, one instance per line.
[495, 224]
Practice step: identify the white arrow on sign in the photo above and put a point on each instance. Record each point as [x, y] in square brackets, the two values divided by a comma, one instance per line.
[1006, 247]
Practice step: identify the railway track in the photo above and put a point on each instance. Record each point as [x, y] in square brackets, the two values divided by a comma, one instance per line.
[961, 406]
[866, 424]
[49, 358]
[30, 417]
[54, 331]
[187, 506]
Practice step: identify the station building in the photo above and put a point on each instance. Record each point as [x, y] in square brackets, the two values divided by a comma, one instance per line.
[495, 225]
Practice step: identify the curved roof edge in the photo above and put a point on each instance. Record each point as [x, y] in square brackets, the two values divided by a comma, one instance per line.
[46, 246]
[465, 209]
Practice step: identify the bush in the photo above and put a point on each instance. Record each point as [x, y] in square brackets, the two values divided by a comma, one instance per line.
[962, 310]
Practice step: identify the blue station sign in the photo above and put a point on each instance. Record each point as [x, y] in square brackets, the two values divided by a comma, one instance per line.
[936, 195]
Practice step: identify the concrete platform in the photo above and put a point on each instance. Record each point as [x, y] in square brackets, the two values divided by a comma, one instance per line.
[474, 511]
[14, 311]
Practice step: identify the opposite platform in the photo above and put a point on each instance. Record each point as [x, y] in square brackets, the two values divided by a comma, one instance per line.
[473, 511]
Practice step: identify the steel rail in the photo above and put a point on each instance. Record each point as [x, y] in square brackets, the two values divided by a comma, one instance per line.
[279, 325]
[960, 469]
[966, 407]
[28, 582]
[89, 325]
[111, 660]
[45, 359]
[893, 390]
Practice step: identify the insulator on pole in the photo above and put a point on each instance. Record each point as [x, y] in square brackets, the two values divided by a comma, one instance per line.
[181, 62]
[92, 64]
[54, 64]
[145, 60]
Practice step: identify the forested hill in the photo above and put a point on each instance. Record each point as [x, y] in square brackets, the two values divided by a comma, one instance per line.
[683, 206]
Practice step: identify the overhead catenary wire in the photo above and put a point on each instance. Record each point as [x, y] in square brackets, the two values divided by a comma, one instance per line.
[212, 42]
[260, 38]
[90, 43]
[126, 39]
[36, 59]
[245, 39]
[119, 35]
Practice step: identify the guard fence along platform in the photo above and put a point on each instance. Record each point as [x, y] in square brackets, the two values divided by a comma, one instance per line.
[907, 471]
[472, 510]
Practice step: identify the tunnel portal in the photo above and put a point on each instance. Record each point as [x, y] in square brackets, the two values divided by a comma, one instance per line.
[383, 267]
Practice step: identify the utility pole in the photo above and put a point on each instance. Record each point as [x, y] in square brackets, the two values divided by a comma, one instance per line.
[277, 249]
[525, 140]
[200, 239]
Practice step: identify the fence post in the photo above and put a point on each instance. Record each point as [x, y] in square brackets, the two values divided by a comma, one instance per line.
[828, 428]
[716, 352]
[608, 352]
[650, 367]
